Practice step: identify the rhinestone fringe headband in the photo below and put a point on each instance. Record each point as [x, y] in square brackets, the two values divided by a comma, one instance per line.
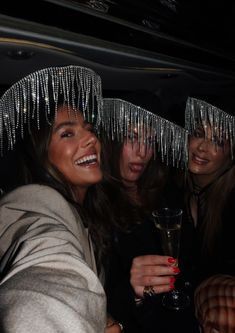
[222, 124]
[80, 87]
[120, 118]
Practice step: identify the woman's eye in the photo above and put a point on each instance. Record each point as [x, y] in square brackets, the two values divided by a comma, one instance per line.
[132, 137]
[218, 142]
[66, 134]
[198, 134]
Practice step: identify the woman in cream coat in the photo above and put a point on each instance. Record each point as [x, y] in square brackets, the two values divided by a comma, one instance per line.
[49, 280]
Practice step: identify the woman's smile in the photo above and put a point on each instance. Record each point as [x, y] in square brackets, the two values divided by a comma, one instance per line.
[74, 151]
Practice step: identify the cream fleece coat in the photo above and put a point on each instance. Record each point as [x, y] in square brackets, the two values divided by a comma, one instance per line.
[48, 274]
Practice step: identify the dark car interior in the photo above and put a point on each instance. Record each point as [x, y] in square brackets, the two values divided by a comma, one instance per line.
[153, 53]
[170, 48]
[167, 50]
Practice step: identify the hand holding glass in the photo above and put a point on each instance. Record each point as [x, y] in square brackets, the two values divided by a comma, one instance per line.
[168, 221]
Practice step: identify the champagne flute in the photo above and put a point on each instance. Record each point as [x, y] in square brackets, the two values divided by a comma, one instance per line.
[168, 221]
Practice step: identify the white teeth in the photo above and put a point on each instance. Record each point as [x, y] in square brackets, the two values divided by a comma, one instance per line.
[202, 160]
[87, 159]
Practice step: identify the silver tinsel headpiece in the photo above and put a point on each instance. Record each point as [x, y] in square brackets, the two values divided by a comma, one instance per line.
[23, 102]
[199, 113]
[120, 118]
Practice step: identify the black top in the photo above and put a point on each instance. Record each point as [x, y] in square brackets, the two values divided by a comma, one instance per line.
[144, 239]
[222, 261]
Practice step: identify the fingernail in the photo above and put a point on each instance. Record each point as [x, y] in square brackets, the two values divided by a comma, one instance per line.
[172, 286]
[176, 269]
[172, 280]
[171, 260]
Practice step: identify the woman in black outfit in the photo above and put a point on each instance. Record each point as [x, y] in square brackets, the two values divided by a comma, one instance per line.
[136, 183]
[209, 198]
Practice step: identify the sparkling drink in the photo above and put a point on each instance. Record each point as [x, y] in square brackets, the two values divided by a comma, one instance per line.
[170, 239]
[168, 222]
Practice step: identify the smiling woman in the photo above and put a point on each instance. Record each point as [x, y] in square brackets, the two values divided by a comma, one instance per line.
[210, 206]
[209, 156]
[210, 185]
[74, 151]
[45, 226]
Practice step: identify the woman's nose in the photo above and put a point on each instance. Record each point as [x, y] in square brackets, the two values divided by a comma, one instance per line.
[203, 145]
[142, 150]
[88, 139]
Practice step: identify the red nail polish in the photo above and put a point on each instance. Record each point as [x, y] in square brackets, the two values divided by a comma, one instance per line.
[176, 269]
[171, 260]
[172, 280]
[172, 286]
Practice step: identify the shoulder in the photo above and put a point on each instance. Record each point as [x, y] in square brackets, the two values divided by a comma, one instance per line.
[34, 194]
[32, 190]
[38, 200]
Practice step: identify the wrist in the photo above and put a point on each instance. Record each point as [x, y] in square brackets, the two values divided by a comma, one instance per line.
[113, 323]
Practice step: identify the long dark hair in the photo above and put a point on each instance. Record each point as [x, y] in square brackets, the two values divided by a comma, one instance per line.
[214, 198]
[149, 187]
[33, 167]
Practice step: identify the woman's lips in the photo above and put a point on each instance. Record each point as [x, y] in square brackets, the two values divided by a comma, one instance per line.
[136, 167]
[198, 160]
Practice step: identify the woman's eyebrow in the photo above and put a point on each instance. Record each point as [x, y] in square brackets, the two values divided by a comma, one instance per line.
[64, 124]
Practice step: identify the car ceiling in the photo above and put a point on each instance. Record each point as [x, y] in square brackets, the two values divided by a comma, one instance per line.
[152, 45]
